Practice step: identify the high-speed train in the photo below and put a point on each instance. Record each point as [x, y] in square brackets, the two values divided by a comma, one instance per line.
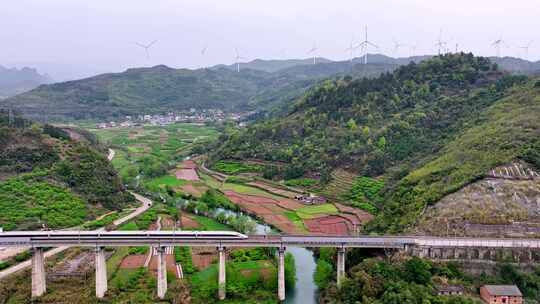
[12, 237]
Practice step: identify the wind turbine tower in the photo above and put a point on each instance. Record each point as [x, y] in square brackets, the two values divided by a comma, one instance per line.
[413, 50]
[146, 47]
[237, 60]
[525, 48]
[397, 45]
[441, 45]
[497, 45]
[351, 50]
[313, 51]
[365, 45]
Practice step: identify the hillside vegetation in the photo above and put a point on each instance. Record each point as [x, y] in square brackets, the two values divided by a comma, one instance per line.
[46, 178]
[427, 129]
[162, 89]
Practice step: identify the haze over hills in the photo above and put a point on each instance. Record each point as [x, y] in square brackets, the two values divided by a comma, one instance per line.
[14, 81]
[261, 85]
[159, 89]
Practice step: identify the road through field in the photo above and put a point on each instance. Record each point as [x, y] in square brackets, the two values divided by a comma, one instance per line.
[146, 203]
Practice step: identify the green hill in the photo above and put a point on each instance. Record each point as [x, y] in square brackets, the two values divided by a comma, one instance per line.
[46, 178]
[162, 89]
[426, 129]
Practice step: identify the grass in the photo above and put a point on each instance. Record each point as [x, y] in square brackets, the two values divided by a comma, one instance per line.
[297, 221]
[245, 283]
[162, 181]
[114, 261]
[248, 190]
[308, 212]
[210, 181]
[209, 224]
[161, 143]
[233, 167]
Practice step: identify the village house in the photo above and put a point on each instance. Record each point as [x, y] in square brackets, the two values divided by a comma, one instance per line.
[450, 290]
[310, 199]
[501, 294]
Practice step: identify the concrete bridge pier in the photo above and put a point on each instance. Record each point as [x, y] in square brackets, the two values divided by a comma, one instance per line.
[101, 273]
[222, 272]
[281, 274]
[340, 265]
[38, 273]
[161, 273]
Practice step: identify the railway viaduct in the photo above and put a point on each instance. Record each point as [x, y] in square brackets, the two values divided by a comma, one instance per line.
[429, 247]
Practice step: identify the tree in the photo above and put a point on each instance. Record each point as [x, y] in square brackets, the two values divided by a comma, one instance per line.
[290, 271]
[418, 271]
[351, 124]
[323, 274]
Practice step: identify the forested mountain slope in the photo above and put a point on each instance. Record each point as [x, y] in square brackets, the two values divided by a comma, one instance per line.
[161, 89]
[427, 129]
[270, 87]
[46, 178]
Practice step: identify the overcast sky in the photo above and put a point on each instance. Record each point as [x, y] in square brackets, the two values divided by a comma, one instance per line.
[93, 36]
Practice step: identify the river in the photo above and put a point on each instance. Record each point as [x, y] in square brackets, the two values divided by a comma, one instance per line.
[305, 290]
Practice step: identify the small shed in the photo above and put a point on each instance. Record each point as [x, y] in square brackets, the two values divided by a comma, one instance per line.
[501, 294]
[450, 290]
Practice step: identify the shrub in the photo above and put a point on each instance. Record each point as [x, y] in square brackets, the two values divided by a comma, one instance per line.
[323, 274]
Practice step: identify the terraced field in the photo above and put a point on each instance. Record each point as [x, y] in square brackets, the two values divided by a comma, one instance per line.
[340, 185]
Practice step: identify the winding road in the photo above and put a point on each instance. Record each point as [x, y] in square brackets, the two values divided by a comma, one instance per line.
[145, 204]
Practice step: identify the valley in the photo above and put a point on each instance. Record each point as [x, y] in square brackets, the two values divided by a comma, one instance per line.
[446, 147]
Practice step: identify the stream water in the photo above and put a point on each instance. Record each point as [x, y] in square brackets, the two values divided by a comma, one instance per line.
[305, 290]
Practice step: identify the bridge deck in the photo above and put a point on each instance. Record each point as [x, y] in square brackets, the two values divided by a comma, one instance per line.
[233, 239]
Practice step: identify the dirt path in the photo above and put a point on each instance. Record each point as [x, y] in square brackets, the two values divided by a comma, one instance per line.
[111, 155]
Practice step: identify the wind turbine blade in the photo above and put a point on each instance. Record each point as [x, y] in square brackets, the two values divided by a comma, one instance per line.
[373, 45]
[141, 45]
[151, 43]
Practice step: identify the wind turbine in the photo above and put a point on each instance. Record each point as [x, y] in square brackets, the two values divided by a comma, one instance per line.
[237, 60]
[526, 49]
[351, 49]
[312, 51]
[203, 50]
[440, 43]
[146, 47]
[365, 44]
[413, 49]
[397, 45]
[497, 45]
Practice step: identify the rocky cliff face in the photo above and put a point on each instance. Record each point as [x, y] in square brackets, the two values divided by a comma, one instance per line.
[504, 203]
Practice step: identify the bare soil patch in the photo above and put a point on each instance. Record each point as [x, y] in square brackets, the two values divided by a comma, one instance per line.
[195, 191]
[188, 223]
[203, 257]
[169, 262]
[362, 215]
[331, 224]
[188, 164]
[133, 261]
[186, 174]
[266, 208]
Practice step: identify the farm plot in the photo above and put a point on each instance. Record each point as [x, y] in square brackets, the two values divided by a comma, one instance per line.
[266, 208]
[331, 224]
